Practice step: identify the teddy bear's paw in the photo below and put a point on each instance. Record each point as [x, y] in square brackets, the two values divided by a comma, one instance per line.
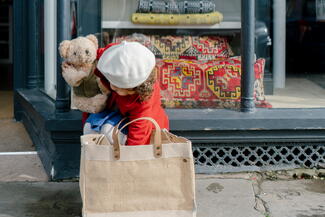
[84, 104]
[98, 103]
[72, 76]
[90, 105]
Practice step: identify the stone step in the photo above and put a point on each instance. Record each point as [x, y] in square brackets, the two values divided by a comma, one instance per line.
[14, 137]
[21, 166]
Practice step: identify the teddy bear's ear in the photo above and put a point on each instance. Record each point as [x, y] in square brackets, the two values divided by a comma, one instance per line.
[63, 48]
[93, 38]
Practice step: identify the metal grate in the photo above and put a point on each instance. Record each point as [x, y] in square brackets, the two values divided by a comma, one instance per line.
[212, 158]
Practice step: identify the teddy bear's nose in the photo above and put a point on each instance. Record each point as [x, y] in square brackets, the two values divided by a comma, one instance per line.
[87, 52]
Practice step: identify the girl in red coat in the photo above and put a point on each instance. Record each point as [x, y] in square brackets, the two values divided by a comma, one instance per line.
[126, 69]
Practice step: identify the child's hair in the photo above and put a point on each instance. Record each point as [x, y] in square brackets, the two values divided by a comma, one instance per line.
[146, 88]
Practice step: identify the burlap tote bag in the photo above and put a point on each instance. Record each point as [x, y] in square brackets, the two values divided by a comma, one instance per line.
[137, 181]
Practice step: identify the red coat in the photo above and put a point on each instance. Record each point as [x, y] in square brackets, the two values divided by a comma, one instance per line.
[130, 106]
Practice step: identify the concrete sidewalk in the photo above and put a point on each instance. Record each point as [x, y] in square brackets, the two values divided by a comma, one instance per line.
[216, 197]
[27, 193]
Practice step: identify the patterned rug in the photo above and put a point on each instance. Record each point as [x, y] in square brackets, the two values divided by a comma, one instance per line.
[207, 84]
[198, 72]
[182, 47]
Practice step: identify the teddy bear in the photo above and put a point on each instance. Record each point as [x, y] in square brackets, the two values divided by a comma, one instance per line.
[79, 54]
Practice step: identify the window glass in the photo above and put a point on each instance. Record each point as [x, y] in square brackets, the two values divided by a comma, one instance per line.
[198, 58]
[304, 79]
[263, 44]
[196, 44]
[50, 42]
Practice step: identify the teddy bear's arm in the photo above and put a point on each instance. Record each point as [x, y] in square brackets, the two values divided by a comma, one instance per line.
[93, 104]
[71, 75]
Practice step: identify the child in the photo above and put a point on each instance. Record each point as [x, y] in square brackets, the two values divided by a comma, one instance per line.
[127, 70]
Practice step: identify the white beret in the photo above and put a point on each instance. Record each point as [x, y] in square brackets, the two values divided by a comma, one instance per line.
[126, 65]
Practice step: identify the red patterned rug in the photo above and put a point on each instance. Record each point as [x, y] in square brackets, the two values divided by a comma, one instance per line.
[207, 84]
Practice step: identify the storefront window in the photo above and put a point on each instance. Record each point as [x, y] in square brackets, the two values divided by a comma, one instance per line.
[305, 54]
[197, 49]
[196, 44]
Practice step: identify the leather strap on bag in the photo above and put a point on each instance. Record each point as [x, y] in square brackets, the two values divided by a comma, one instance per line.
[115, 138]
[157, 147]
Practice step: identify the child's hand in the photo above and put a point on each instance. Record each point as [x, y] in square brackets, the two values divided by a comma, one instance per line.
[102, 87]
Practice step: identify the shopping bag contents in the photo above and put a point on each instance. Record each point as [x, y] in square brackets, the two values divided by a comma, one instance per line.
[103, 123]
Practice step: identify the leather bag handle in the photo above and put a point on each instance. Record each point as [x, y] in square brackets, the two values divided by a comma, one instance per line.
[157, 147]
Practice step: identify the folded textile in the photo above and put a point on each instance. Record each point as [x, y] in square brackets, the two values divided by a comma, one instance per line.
[176, 6]
[177, 19]
[207, 84]
[182, 47]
